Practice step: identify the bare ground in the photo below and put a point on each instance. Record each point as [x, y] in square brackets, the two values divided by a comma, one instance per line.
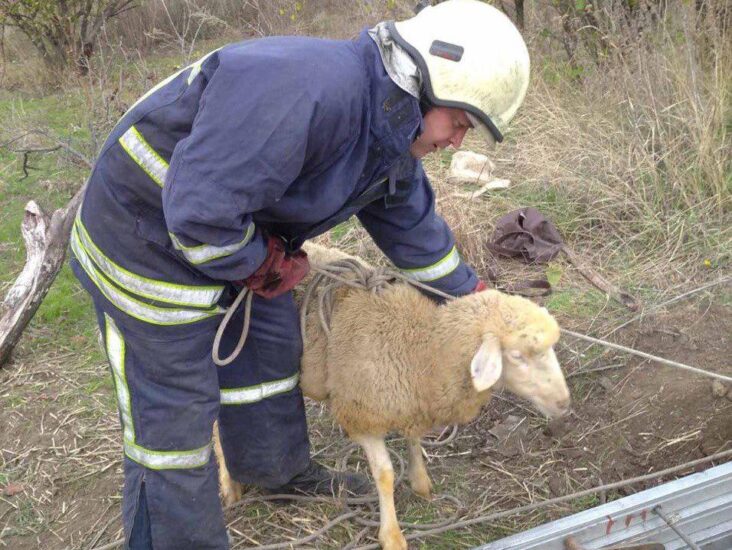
[60, 450]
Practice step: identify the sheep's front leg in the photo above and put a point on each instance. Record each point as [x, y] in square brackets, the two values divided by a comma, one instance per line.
[231, 490]
[390, 535]
[417, 472]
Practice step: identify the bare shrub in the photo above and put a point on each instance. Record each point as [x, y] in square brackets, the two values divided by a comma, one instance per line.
[155, 22]
[63, 31]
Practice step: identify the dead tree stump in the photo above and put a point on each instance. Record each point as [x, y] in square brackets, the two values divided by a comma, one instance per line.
[46, 239]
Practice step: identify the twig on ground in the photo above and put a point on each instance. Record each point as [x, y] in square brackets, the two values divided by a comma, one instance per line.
[59, 144]
[721, 281]
[600, 282]
[304, 540]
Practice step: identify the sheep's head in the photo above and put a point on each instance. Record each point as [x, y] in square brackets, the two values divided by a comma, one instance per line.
[517, 353]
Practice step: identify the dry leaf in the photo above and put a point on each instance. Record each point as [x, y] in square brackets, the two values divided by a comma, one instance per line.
[12, 489]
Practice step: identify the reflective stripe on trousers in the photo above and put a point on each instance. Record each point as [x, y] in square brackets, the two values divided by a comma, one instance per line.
[150, 458]
[169, 394]
[168, 397]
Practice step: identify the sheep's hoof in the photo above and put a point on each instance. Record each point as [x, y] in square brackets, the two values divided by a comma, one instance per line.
[422, 486]
[393, 540]
[231, 493]
[424, 493]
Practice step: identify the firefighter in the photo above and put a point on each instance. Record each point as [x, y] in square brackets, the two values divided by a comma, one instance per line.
[212, 181]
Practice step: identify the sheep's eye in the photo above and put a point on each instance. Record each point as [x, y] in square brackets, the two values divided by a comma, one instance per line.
[515, 355]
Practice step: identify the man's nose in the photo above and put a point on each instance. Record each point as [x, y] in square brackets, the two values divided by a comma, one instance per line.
[457, 139]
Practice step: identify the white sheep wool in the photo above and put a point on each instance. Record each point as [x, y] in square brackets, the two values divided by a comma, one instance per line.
[472, 57]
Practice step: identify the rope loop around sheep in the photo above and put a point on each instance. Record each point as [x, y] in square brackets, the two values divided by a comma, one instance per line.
[351, 272]
[331, 276]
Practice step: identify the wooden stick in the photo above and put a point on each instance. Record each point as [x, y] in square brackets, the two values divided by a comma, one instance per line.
[46, 239]
[600, 282]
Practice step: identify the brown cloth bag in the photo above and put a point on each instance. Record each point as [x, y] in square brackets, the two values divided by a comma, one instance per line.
[526, 234]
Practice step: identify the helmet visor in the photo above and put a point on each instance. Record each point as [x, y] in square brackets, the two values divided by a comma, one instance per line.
[482, 129]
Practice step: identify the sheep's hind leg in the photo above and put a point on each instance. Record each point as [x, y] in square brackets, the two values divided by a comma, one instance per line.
[417, 472]
[231, 490]
[390, 535]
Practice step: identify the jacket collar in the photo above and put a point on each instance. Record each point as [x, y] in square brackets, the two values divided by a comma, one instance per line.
[395, 119]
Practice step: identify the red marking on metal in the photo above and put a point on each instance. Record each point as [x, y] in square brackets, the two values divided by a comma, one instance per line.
[643, 514]
[610, 523]
[628, 519]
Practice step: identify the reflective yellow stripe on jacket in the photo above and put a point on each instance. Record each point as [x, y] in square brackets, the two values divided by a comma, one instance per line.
[121, 287]
[156, 167]
[437, 270]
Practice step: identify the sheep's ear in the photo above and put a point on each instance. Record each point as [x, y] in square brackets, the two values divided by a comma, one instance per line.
[487, 363]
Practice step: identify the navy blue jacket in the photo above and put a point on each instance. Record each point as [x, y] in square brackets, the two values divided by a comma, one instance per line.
[287, 136]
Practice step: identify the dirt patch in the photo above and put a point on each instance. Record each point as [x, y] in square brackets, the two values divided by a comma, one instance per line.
[629, 419]
[60, 443]
[662, 415]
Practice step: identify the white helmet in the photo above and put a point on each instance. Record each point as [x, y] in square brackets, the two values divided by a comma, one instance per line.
[471, 57]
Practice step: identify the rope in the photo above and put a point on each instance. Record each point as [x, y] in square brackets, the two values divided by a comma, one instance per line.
[559, 500]
[648, 356]
[351, 272]
[245, 293]
[373, 279]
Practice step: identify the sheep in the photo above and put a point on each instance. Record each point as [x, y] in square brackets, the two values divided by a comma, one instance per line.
[395, 361]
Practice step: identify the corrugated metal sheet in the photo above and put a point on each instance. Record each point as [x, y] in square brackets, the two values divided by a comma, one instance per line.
[699, 505]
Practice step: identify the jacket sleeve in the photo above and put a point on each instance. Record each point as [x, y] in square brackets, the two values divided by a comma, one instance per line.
[249, 141]
[418, 241]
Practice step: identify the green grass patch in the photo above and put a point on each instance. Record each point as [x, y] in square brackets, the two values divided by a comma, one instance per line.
[26, 520]
[585, 503]
[342, 229]
[578, 303]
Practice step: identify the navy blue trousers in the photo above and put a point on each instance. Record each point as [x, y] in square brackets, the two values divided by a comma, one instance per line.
[170, 392]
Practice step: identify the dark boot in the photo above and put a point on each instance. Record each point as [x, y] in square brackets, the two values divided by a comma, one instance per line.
[316, 479]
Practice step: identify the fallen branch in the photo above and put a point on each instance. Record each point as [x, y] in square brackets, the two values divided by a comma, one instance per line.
[46, 238]
[600, 282]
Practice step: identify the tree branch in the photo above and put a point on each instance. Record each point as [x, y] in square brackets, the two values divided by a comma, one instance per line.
[46, 239]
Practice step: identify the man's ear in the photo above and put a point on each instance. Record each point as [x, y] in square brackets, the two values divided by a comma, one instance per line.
[487, 363]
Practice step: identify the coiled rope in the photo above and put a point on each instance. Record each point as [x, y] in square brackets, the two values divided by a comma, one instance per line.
[331, 276]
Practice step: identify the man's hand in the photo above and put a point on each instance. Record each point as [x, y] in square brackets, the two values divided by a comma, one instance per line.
[280, 272]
